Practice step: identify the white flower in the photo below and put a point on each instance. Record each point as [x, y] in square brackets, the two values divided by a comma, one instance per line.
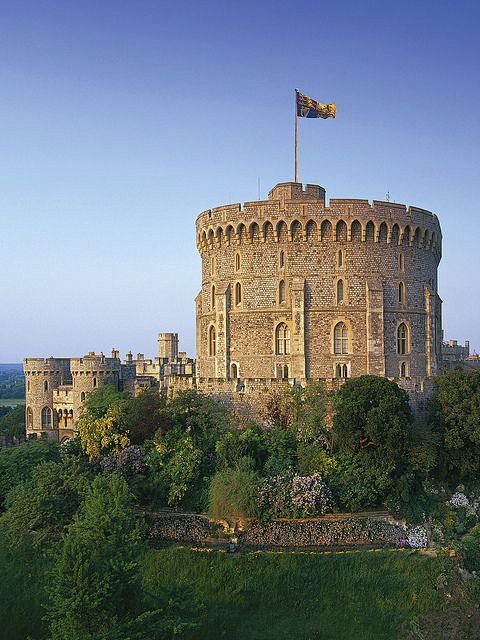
[459, 500]
[417, 537]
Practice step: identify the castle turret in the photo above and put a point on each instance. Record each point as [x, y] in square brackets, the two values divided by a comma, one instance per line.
[42, 377]
[168, 346]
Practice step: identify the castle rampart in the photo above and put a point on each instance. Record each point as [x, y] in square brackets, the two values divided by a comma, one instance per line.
[295, 289]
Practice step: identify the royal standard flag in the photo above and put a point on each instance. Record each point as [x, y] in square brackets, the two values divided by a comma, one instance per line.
[308, 108]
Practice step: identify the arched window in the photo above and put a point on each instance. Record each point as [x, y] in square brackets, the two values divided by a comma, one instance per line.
[46, 418]
[340, 292]
[340, 335]
[403, 370]
[401, 262]
[281, 259]
[281, 292]
[29, 418]
[237, 262]
[401, 292]
[282, 339]
[213, 296]
[402, 339]
[238, 293]
[94, 382]
[212, 341]
[340, 259]
[234, 371]
[82, 396]
[45, 386]
[341, 371]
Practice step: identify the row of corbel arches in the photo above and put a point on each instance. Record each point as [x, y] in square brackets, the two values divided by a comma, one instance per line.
[396, 234]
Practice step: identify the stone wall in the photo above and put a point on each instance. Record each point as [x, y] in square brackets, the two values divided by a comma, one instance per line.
[332, 530]
[281, 261]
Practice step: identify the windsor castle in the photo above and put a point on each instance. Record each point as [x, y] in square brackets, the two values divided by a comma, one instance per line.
[294, 289]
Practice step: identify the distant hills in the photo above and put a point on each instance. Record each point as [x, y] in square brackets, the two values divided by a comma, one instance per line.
[11, 368]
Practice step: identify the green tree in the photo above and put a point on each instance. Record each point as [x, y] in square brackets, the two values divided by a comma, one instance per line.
[98, 402]
[357, 484]
[39, 508]
[202, 414]
[95, 579]
[176, 461]
[18, 463]
[372, 415]
[454, 417]
[145, 416]
[236, 444]
[309, 407]
[12, 423]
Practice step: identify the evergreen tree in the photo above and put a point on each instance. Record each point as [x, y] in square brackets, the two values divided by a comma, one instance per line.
[95, 577]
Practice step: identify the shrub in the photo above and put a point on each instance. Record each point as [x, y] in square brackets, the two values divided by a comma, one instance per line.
[18, 463]
[130, 461]
[294, 496]
[356, 484]
[233, 493]
[470, 549]
[40, 508]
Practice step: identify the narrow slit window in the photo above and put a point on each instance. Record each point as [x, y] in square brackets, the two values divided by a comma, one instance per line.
[281, 292]
[340, 292]
[238, 293]
[212, 342]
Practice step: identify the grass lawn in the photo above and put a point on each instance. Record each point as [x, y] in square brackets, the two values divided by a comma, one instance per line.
[11, 402]
[263, 596]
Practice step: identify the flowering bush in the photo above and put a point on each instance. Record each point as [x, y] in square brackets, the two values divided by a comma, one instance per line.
[310, 495]
[130, 461]
[300, 496]
[417, 537]
[318, 533]
[459, 500]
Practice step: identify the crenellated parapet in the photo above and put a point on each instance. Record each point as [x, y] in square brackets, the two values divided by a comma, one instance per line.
[294, 214]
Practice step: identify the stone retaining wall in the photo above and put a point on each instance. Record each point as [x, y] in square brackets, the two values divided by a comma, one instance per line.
[344, 530]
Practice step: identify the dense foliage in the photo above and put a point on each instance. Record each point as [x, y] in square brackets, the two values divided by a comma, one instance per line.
[95, 574]
[12, 422]
[42, 506]
[72, 510]
[17, 464]
[455, 419]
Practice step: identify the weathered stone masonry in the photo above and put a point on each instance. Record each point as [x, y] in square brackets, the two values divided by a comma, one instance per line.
[295, 289]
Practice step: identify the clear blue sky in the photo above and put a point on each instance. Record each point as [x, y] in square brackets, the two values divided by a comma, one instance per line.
[120, 121]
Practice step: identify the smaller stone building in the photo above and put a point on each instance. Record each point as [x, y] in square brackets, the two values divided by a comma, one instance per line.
[57, 387]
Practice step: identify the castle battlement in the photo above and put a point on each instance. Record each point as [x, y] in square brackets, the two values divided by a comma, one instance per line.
[310, 220]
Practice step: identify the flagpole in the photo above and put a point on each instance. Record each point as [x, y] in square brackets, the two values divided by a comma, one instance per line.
[296, 137]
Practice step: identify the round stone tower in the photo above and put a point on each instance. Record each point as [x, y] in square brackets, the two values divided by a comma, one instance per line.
[293, 288]
[91, 372]
[42, 377]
